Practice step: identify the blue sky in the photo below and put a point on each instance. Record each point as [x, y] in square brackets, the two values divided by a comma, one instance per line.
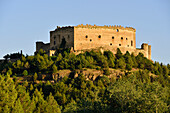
[23, 22]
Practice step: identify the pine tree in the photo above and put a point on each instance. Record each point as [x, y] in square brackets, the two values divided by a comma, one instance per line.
[35, 77]
[54, 68]
[52, 106]
[27, 66]
[17, 107]
[8, 93]
[25, 72]
[118, 54]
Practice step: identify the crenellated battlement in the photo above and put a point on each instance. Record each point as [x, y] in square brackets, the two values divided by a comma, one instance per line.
[106, 27]
[95, 27]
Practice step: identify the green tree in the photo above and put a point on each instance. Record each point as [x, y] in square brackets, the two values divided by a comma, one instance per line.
[110, 57]
[25, 72]
[27, 104]
[121, 63]
[128, 67]
[41, 52]
[35, 76]
[27, 66]
[52, 106]
[118, 54]
[17, 107]
[39, 101]
[9, 72]
[54, 68]
[8, 93]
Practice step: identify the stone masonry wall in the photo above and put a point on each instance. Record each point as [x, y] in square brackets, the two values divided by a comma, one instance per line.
[41, 45]
[59, 34]
[89, 38]
[85, 37]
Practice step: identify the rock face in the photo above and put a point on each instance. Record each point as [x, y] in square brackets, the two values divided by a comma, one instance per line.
[60, 74]
[90, 74]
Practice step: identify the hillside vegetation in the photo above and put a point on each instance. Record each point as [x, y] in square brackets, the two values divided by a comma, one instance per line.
[89, 82]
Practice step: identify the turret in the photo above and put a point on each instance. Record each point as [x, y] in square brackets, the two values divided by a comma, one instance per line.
[149, 52]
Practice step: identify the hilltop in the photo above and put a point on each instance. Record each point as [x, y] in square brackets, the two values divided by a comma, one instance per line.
[88, 82]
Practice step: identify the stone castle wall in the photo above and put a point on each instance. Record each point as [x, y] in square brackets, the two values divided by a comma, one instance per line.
[89, 38]
[85, 37]
[64, 33]
[41, 45]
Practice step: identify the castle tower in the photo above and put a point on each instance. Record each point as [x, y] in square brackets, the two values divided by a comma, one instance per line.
[149, 52]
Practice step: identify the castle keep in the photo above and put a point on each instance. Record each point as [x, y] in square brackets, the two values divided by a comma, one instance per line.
[84, 37]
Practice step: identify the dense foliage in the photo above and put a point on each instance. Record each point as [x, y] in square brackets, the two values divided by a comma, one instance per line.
[135, 91]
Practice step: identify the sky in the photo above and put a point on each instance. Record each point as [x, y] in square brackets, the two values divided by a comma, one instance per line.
[23, 22]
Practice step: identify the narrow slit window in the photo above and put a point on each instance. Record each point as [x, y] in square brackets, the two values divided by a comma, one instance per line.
[90, 40]
[68, 36]
[113, 37]
[126, 38]
[86, 36]
[119, 44]
[54, 42]
[99, 36]
[117, 30]
[121, 38]
[131, 43]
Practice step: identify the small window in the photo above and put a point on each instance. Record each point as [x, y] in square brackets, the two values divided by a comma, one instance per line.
[131, 43]
[86, 36]
[110, 43]
[119, 44]
[127, 45]
[54, 43]
[99, 36]
[68, 36]
[121, 38]
[113, 37]
[117, 30]
[54, 37]
[90, 40]
[126, 38]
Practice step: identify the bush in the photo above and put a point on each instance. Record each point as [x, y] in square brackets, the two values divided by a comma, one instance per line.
[25, 72]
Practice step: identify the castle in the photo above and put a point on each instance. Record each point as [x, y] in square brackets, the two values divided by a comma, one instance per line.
[84, 37]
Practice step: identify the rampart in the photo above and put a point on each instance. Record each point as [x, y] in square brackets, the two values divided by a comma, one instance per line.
[85, 37]
[41, 45]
